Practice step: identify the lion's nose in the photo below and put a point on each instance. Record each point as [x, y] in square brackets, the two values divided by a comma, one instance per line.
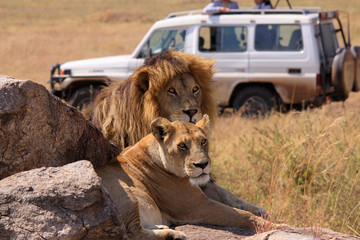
[201, 165]
[191, 112]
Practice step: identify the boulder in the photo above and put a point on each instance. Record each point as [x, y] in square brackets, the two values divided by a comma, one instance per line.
[207, 232]
[282, 235]
[37, 129]
[68, 202]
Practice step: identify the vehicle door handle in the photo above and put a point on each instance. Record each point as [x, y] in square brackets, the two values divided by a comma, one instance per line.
[240, 69]
[294, 70]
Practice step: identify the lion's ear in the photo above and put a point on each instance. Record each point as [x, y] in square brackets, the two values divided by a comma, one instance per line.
[204, 123]
[160, 127]
[141, 81]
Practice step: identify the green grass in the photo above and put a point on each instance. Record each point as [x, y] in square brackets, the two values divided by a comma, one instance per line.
[302, 167]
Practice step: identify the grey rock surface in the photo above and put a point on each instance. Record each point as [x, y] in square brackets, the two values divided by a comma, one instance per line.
[206, 232]
[38, 130]
[282, 235]
[66, 202]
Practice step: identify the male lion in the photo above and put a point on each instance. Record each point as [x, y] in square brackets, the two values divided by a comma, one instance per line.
[173, 85]
[156, 182]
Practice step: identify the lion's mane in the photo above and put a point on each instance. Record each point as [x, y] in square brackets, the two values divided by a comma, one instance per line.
[123, 110]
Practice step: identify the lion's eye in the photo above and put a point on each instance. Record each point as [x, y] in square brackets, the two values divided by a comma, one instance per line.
[203, 142]
[195, 89]
[182, 146]
[172, 91]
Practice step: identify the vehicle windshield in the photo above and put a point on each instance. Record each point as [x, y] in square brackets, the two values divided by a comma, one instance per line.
[162, 40]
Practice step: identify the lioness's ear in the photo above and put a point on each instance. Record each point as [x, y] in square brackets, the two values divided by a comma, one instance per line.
[204, 123]
[161, 127]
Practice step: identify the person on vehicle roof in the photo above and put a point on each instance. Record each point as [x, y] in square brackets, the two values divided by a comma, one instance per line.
[220, 6]
[263, 4]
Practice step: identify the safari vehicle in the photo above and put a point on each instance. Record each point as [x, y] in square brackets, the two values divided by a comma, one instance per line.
[265, 59]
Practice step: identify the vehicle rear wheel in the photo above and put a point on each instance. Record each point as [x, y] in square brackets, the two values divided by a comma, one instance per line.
[82, 96]
[355, 50]
[254, 102]
[343, 72]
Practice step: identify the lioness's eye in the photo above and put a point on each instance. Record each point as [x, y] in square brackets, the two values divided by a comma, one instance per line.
[182, 146]
[203, 142]
[172, 91]
[195, 89]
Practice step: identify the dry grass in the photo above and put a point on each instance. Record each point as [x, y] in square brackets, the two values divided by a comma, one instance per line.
[303, 167]
[34, 35]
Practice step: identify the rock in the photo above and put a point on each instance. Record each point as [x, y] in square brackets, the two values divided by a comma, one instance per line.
[38, 130]
[68, 202]
[282, 235]
[206, 232]
[209, 232]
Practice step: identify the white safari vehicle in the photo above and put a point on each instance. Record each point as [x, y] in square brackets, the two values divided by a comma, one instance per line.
[265, 59]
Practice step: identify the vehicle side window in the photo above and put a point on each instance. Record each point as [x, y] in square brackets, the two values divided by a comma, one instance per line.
[162, 40]
[278, 37]
[223, 39]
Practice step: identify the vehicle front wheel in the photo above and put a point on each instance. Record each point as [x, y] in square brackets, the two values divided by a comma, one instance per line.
[254, 102]
[82, 96]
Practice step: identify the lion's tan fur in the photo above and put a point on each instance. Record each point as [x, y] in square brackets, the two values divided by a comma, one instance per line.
[123, 111]
[151, 183]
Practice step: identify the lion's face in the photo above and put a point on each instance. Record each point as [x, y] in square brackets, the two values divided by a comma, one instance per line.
[185, 148]
[173, 85]
[180, 98]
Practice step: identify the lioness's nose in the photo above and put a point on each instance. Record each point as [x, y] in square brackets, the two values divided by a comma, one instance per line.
[191, 112]
[201, 165]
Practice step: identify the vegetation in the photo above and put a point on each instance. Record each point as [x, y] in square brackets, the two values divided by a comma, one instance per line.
[303, 167]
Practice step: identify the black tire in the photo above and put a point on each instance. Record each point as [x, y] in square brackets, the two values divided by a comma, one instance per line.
[343, 71]
[355, 50]
[254, 102]
[82, 96]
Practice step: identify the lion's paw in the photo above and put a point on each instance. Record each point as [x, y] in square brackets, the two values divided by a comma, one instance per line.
[169, 234]
[256, 210]
[261, 212]
[161, 227]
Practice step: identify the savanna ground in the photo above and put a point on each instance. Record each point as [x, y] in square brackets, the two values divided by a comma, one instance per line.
[303, 167]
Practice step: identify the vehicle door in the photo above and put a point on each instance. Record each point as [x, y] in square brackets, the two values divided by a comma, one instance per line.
[158, 42]
[227, 45]
[279, 56]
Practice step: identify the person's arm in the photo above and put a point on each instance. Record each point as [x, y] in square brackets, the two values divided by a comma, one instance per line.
[213, 8]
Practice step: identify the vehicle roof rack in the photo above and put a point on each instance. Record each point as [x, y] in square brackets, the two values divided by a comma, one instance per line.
[297, 10]
[190, 12]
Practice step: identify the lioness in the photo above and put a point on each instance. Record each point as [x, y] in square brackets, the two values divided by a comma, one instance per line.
[173, 85]
[156, 182]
